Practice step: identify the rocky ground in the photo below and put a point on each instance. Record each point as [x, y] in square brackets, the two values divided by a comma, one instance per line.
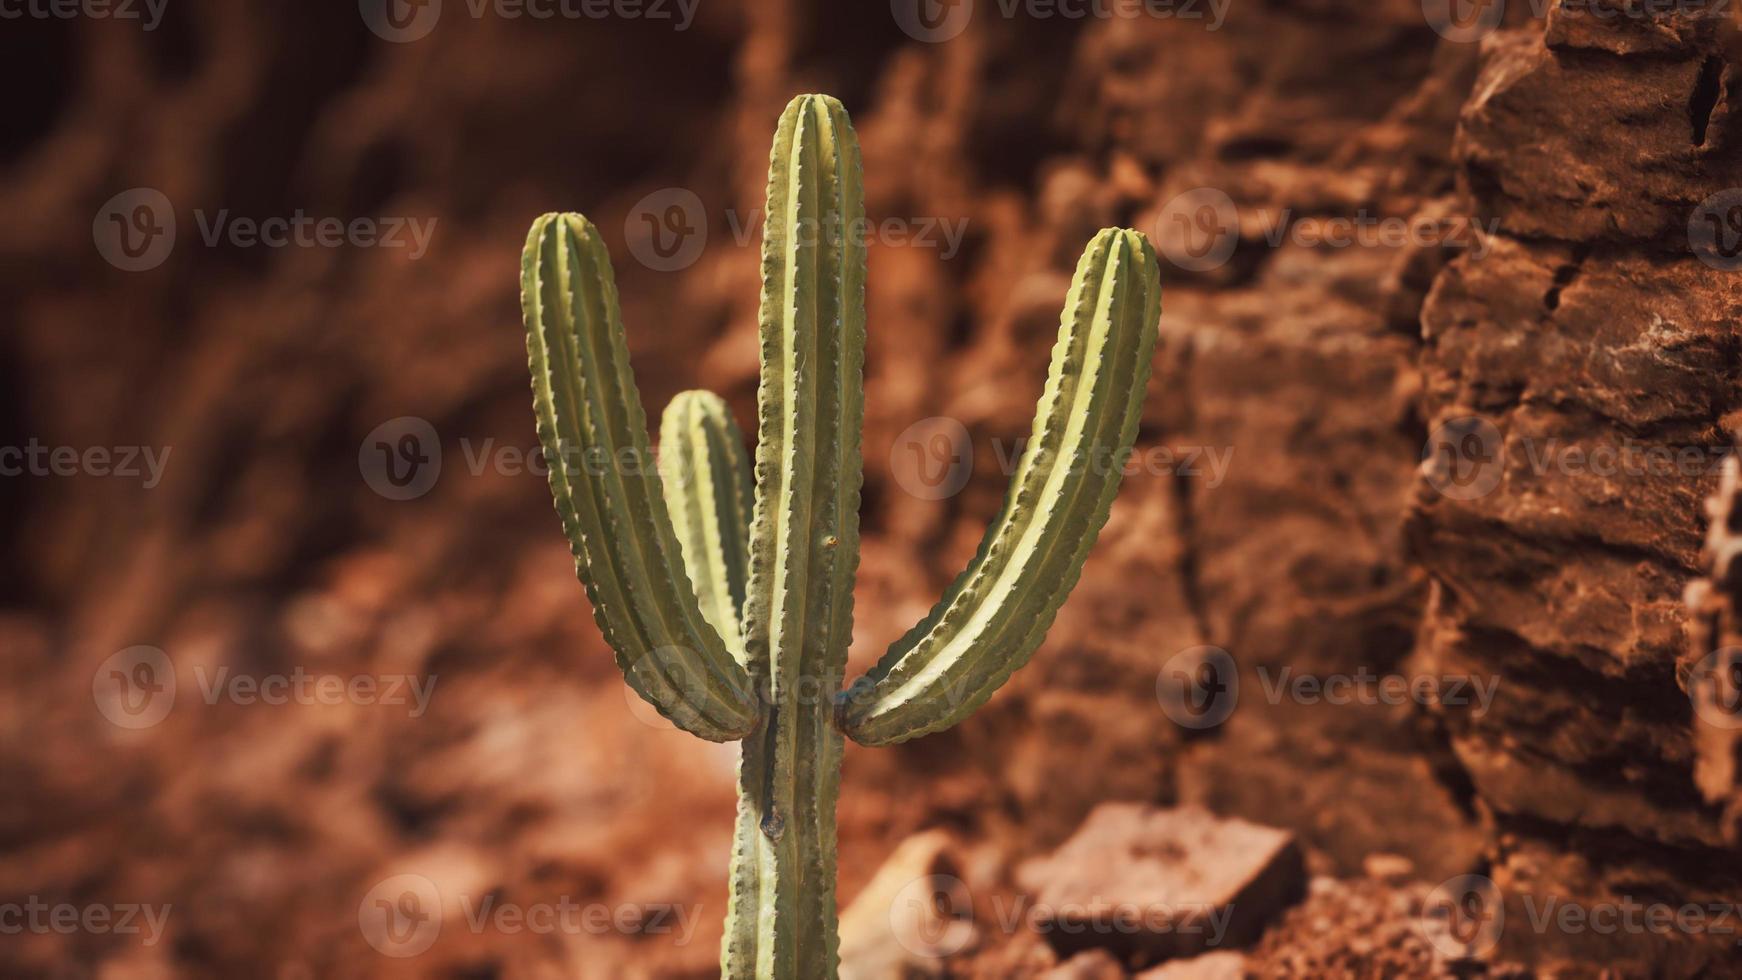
[1569, 296]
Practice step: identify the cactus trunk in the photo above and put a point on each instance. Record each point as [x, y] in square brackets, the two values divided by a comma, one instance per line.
[756, 647]
[804, 545]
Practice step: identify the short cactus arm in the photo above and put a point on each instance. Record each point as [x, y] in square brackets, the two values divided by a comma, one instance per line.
[992, 618]
[706, 475]
[804, 546]
[607, 492]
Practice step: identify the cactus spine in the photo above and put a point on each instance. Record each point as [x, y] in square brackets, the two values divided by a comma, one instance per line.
[755, 648]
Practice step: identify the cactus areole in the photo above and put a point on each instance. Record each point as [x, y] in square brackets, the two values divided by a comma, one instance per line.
[728, 596]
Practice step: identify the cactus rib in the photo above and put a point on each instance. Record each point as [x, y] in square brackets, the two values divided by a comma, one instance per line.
[706, 475]
[804, 543]
[998, 610]
[594, 434]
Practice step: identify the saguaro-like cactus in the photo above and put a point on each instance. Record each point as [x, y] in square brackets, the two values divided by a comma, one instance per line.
[729, 598]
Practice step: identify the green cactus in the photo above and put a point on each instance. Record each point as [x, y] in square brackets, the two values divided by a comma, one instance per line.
[754, 649]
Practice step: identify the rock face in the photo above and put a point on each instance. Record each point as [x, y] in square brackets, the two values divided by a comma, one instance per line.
[1584, 378]
[1713, 678]
[1475, 446]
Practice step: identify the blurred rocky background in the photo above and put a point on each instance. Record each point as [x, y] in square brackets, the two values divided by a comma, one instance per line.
[1575, 289]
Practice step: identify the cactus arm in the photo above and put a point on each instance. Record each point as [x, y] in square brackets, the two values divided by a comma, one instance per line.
[996, 613]
[804, 545]
[594, 433]
[706, 476]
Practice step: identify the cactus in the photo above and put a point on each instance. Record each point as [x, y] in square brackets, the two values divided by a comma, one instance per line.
[752, 646]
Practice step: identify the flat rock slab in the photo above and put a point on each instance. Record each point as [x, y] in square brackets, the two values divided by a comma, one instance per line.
[1150, 884]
